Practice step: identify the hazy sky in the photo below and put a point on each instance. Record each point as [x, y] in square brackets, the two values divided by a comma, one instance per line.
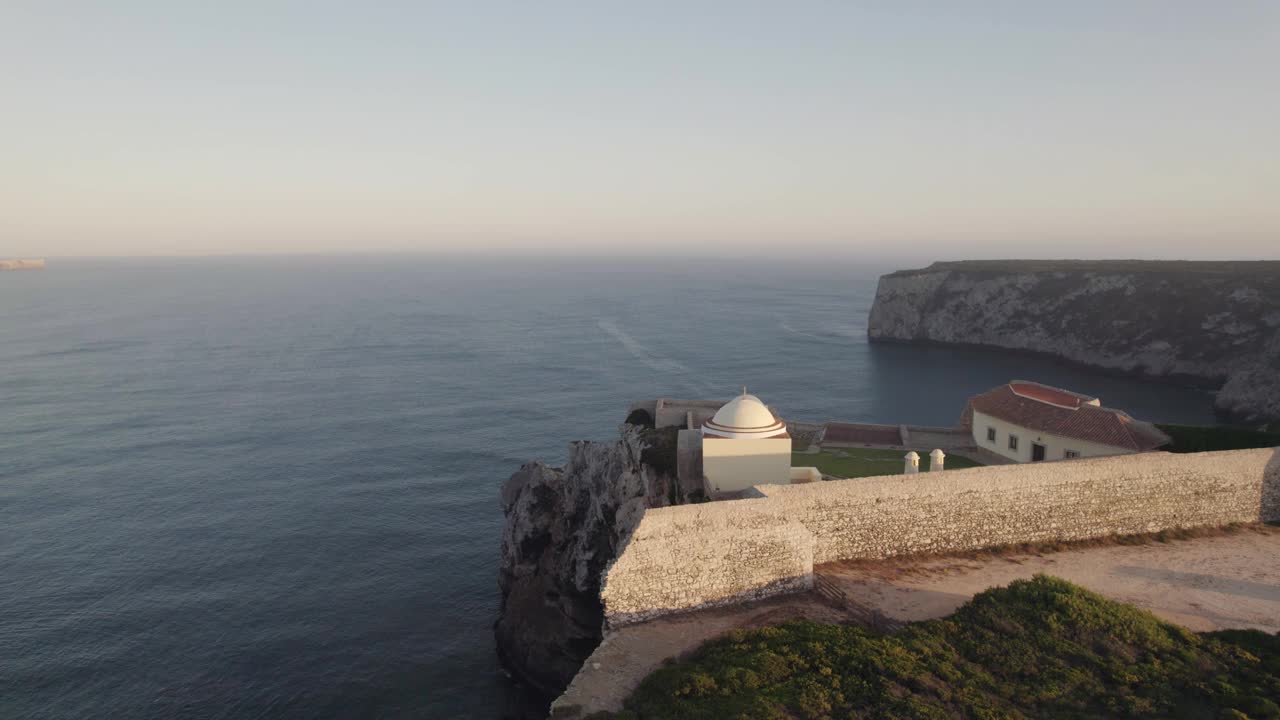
[895, 129]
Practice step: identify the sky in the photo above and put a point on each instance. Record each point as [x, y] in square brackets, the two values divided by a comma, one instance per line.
[889, 129]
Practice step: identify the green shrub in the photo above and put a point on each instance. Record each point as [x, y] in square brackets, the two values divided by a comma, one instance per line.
[659, 451]
[1037, 648]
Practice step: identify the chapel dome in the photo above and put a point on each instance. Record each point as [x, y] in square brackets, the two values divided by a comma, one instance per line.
[744, 417]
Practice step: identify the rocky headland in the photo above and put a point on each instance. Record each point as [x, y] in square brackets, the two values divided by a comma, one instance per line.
[563, 527]
[1215, 324]
[20, 264]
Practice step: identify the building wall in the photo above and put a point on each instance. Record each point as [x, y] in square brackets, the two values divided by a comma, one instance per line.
[669, 412]
[734, 465]
[689, 461]
[692, 556]
[1054, 444]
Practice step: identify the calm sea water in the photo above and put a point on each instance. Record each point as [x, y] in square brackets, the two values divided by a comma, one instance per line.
[268, 488]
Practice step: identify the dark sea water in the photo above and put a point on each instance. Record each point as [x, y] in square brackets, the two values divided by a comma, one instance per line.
[237, 488]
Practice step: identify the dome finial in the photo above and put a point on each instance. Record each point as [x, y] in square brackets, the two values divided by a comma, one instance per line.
[744, 390]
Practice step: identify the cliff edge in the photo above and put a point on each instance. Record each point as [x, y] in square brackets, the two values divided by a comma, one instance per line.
[1211, 323]
[563, 527]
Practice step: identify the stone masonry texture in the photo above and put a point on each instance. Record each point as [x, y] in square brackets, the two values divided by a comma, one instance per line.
[694, 556]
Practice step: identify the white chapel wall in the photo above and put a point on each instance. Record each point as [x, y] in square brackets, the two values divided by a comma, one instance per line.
[731, 465]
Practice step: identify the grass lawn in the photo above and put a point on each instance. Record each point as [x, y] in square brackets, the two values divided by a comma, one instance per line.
[1040, 648]
[867, 462]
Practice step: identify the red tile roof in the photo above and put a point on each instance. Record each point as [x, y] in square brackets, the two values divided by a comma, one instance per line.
[1059, 412]
[1050, 395]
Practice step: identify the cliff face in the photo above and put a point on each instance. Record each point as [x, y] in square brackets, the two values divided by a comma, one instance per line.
[1217, 324]
[563, 528]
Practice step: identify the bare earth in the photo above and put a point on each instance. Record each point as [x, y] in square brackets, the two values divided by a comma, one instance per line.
[1213, 583]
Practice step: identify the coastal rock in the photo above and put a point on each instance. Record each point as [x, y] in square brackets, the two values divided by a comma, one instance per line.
[563, 528]
[1215, 324]
[32, 264]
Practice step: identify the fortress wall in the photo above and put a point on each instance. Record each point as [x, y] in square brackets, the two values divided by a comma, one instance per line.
[981, 507]
[705, 557]
[691, 556]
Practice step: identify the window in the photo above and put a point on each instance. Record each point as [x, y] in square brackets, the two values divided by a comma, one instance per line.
[1013, 442]
[991, 435]
[1068, 454]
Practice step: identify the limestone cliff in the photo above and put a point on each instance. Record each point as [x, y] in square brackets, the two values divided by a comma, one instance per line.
[563, 527]
[1212, 323]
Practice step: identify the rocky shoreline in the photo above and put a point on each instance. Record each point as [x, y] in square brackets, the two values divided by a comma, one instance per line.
[1209, 324]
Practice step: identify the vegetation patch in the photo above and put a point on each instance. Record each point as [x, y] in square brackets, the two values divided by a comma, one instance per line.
[869, 462]
[659, 451]
[1039, 648]
[1196, 438]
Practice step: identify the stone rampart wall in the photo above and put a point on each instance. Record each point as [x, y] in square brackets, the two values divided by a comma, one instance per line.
[680, 561]
[692, 556]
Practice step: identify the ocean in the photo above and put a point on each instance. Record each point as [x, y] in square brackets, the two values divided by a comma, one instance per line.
[268, 487]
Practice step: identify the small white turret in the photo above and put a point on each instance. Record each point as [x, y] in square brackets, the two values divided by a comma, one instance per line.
[912, 465]
[936, 459]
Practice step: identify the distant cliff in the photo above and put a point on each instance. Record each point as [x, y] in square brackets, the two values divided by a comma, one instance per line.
[33, 264]
[1211, 323]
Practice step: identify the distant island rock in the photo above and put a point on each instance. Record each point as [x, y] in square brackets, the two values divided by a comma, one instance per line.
[1215, 324]
[32, 264]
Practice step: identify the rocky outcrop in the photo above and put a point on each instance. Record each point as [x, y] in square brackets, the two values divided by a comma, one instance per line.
[35, 264]
[1211, 323]
[563, 528]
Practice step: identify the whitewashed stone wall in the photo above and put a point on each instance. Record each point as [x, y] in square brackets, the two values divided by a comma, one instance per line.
[692, 556]
[704, 557]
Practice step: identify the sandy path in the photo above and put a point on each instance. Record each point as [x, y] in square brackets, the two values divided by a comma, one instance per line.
[1231, 581]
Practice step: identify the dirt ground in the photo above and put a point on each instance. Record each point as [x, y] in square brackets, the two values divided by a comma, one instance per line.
[1209, 583]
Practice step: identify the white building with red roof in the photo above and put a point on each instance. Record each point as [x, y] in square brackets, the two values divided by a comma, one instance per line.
[1030, 422]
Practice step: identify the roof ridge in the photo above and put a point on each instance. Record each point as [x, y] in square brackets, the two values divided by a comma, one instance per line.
[1080, 395]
